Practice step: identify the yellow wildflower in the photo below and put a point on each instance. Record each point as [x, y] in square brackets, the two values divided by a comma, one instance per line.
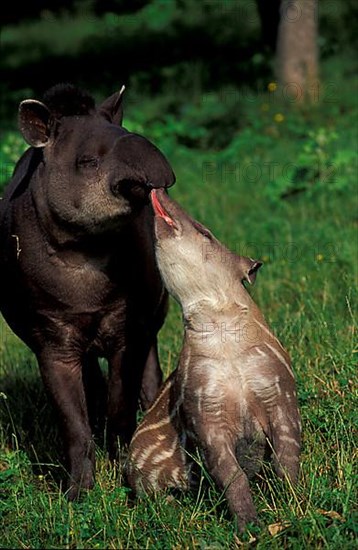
[319, 257]
[272, 86]
[279, 117]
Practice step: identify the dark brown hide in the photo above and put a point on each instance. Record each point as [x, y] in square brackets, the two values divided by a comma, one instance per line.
[79, 278]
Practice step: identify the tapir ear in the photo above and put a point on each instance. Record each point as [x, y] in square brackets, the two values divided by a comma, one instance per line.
[112, 107]
[250, 267]
[34, 122]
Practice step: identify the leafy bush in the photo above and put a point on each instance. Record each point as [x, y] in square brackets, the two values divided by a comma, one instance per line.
[11, 148]
[318, 168]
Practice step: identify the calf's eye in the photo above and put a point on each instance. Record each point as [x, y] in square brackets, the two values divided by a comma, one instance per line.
[202, 230]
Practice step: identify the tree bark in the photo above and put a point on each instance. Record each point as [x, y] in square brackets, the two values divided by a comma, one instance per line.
[297, 49]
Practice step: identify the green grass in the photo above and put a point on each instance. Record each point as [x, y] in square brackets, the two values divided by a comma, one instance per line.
[307, 291]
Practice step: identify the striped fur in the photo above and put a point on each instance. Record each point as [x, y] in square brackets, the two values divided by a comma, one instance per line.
[233, 393]
[156, 457]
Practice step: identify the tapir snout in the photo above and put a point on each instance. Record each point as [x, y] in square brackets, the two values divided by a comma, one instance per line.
[138, 167]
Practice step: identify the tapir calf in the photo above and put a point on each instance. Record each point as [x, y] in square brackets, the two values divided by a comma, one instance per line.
[233, 393]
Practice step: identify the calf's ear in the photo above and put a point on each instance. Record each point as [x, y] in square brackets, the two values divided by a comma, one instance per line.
[112, 107]
[249, 268]
[34, 122]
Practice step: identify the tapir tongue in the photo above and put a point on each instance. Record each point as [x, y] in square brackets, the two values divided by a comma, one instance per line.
[159, 210]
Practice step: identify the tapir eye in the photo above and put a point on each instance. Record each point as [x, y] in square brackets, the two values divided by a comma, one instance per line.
[87, 161]
[202, 230]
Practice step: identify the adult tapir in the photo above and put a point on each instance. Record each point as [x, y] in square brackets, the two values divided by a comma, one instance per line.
[79, 278]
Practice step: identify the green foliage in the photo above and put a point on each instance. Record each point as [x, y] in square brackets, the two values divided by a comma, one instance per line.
[318, 168]
[150, 48]
[210, 121]
[11, 148]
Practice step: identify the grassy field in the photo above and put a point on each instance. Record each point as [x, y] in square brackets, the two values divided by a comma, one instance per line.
[283, 189]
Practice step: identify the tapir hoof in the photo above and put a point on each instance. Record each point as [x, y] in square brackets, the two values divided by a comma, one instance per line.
[84, 483]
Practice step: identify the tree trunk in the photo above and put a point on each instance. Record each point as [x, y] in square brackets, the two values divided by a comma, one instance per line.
[297, 50]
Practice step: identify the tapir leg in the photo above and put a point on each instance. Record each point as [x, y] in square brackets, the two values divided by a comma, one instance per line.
[286, 445]
[96, 393]
[125, 377]
[152, 378]
[63, 380]
[225, 470]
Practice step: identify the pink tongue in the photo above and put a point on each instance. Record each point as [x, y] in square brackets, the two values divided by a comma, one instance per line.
[159, 210]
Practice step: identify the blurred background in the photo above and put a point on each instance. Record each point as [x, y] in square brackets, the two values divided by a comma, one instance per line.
[177, 47]
[199, 75]
[215, 75]
[155, 46]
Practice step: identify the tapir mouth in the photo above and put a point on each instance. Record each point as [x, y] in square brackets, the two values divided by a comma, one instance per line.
[159, 210]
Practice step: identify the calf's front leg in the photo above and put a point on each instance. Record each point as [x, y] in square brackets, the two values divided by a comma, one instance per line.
[63, 380]
[286, 439]
[224, 468]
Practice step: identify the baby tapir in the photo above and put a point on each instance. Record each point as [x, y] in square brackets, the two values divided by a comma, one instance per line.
[233, 394]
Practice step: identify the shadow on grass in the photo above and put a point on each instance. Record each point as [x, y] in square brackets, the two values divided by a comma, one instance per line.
[29, 422]
[28, 419]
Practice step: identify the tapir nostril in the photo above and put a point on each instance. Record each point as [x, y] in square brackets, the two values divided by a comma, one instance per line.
[130, 188]
[134, 188]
